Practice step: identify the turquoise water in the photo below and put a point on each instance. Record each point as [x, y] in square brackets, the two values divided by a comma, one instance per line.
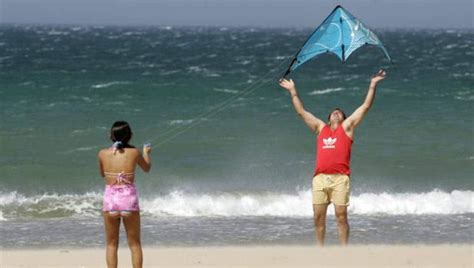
[226, 139]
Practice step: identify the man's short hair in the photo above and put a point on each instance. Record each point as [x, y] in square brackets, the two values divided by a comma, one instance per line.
[340, 110]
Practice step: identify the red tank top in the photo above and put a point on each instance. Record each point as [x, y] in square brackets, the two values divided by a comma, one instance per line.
[333, 151]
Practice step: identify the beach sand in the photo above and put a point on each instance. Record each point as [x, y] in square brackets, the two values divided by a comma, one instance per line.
[274, 256]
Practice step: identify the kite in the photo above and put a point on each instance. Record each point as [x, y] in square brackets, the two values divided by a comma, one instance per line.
[340, 33]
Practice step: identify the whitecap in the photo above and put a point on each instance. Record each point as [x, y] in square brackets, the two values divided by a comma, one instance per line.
[325, 91]
[281, 57]
[451, 46]
[19, 205]
[225, 90]
[109, 84]
[208, 74]
[179, 203]
[170, 72]
[237, 204]
[54, 32]
[181, 122]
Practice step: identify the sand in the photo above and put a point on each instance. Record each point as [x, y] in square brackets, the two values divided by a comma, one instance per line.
[276, 256]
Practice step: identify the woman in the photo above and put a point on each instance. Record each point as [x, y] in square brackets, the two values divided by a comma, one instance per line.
[117, 166]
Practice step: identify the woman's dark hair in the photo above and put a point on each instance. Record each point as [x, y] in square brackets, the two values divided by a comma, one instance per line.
[121, 132]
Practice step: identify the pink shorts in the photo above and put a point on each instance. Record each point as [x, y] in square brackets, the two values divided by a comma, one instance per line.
[120, 198]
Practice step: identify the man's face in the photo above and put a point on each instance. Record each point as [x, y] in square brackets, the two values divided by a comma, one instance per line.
[336, 117]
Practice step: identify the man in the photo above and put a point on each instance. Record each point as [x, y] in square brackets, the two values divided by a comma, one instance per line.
[331, 181]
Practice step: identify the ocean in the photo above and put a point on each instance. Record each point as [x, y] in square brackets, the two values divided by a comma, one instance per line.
[232, 162]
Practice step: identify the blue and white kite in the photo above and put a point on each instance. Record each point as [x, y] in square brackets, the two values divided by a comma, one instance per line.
[340, 33]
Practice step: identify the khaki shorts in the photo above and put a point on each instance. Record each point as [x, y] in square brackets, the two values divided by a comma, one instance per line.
[331, 188]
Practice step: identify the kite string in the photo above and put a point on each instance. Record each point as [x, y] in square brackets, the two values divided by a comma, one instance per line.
[223, 103]
[204, 114]
[181, 129]
[175, 131]
[195, 123]
[216, 107]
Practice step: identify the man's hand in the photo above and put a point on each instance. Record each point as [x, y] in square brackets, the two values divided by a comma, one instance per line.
[288, 85]
[379, 76]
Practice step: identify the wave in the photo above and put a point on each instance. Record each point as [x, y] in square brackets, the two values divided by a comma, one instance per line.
[81, 149]
[464, 95]
[170, 72]
[325, 91]
[181, 204]
[226, 90]
[181, 122]
[201, 70]
[109, 84]
[14, 205]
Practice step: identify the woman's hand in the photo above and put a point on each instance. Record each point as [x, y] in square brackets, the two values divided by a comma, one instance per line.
[147, 148]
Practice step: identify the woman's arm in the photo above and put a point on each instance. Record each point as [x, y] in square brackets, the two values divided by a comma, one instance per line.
[101, 166]
[144, 161]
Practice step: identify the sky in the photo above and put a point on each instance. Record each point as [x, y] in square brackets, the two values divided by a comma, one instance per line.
[254, 13]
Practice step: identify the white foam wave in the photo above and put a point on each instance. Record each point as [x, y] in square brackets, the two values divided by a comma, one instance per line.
[299, 204]
[325, 91]
[181, 122]
[55, 32]
[201, 70]
[109, 84]
[182, 204]
[170, 72]
[281, 57]
[226, 90]
[464, 95]
[245, 62]
[15, 205]
[87, 148]
[5, 57]
[434, 202]
[80, 149]
[451, 46]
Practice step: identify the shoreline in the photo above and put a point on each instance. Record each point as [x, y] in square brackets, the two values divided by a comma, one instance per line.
[420, 255]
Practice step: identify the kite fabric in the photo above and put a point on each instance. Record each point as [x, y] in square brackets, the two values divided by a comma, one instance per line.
[340, 33]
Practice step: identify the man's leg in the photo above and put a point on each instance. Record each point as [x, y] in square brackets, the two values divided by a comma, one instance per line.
[319, 212]
[342, 224]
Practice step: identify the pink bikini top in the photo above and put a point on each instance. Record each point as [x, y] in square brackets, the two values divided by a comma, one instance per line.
[121, 178]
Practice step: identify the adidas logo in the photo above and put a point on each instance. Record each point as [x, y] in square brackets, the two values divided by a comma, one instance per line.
[329, 143]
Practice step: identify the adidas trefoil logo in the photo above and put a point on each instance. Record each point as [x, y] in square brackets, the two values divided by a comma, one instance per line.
[329, 143]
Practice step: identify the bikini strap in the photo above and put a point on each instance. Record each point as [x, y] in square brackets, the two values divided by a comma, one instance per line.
[121, 177]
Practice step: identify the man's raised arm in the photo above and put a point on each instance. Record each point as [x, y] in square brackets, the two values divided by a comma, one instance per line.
[356, 117]
[314, 123]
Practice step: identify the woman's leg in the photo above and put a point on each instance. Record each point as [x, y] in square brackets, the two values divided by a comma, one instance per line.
[112, 228]
[132, 226]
